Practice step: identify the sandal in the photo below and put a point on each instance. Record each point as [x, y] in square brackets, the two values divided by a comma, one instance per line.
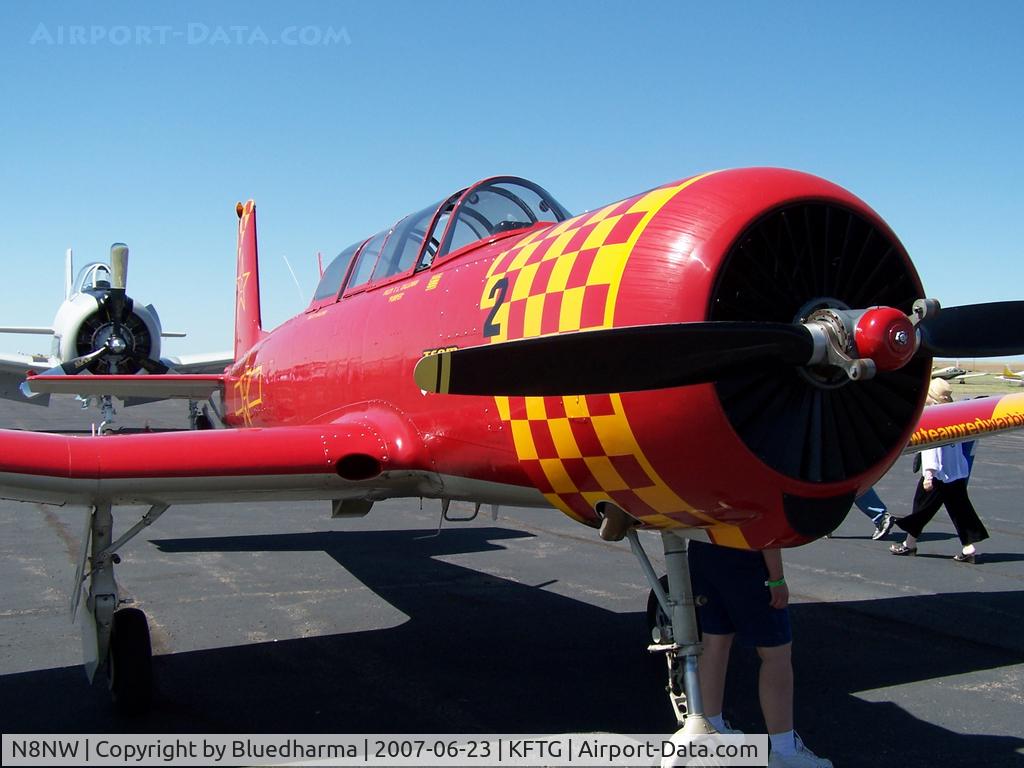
[902, 549]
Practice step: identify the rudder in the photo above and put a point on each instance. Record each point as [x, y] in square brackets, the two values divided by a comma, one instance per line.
[248, 323]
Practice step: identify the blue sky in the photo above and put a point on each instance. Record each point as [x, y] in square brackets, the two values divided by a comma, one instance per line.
[338, 117]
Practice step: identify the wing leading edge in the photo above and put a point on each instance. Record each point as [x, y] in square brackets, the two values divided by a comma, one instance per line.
[967, 420]
[154, 386]
[333, 461]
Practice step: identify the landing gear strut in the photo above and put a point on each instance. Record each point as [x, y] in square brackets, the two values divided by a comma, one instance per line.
[198, 417]
[105, 404]
[113, 637]
[677, 637]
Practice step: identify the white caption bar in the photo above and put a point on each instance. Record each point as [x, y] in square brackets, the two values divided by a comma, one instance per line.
[521, 750]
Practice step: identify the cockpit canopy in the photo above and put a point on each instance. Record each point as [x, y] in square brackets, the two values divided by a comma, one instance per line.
[91, 277]
[487, 209]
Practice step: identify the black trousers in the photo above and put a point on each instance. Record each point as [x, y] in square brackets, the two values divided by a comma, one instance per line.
[954, 495]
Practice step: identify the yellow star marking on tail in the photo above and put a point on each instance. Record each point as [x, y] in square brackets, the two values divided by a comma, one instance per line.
[241, 282]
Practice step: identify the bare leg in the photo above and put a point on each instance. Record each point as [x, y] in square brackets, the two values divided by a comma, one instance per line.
[775, 687]
[713, 665]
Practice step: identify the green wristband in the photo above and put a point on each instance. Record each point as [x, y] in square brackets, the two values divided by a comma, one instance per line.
[776, 583]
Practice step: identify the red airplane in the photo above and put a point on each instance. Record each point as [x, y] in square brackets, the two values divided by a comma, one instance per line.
[735, 356]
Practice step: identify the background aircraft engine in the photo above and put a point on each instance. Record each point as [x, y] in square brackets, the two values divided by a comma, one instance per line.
[108, 333]
[132, 334]
[89, 323]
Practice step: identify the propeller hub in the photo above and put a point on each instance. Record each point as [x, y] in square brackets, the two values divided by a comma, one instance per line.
[117, 345]
[886, 336]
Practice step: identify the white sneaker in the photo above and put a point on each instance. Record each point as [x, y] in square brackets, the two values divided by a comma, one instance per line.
[883, 527]
[803, 758]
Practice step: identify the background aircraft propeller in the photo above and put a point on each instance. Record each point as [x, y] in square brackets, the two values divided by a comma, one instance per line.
[77, 365]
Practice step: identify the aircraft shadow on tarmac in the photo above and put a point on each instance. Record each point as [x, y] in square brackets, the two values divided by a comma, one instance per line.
[485, 654]
[982, 558]
[898, 535]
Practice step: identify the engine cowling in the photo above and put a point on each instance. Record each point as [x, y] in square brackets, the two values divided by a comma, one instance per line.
[85, 323]
[771, 245]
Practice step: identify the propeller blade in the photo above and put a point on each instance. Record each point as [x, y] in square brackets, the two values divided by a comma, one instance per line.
[119, 266]
[70, 368]
[118, 307]
[614, 360]
[975, 330]
[76, 365]
[149, 364]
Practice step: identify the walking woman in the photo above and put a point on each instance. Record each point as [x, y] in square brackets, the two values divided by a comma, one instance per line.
[944, 473]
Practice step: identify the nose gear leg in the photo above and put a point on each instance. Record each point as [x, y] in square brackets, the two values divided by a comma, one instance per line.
[677, 637]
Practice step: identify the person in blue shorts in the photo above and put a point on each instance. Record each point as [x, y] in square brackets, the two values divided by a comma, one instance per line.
[746, 596]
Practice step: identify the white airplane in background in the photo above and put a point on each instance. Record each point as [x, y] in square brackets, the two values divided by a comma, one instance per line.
[954, 372]
[100, 330]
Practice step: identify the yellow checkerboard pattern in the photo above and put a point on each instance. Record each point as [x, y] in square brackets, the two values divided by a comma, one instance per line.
[566, 278]
[581, 450]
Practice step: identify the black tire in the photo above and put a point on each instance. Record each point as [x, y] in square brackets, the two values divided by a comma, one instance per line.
[656, 617]
[130, 662]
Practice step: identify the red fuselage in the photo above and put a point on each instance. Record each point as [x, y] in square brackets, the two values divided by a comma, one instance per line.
[671, 457]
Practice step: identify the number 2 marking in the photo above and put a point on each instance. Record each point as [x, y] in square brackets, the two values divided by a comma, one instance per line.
[499, 289]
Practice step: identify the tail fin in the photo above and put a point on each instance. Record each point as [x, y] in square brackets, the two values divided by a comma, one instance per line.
[1008, 374]
[248, 324]
[69, 274]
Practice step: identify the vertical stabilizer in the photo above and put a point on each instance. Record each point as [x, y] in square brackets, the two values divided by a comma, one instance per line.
[69, 274]
[248, 324]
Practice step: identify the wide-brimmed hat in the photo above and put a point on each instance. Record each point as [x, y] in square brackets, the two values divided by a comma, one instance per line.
[939, 391]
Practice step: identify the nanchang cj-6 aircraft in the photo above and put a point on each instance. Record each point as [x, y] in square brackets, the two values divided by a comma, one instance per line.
[734, 356]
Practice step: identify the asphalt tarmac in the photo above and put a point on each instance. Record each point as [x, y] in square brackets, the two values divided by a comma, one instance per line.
[275, 618]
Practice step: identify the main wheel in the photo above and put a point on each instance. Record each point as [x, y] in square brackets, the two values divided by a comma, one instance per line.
[130, 662]
[659, 625]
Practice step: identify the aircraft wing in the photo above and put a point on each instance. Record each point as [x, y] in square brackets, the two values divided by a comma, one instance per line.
[18, 364]
[332, 462]
[36, 329]
[13, 369]
[146, 386]
[214, 362]
[967, 420]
